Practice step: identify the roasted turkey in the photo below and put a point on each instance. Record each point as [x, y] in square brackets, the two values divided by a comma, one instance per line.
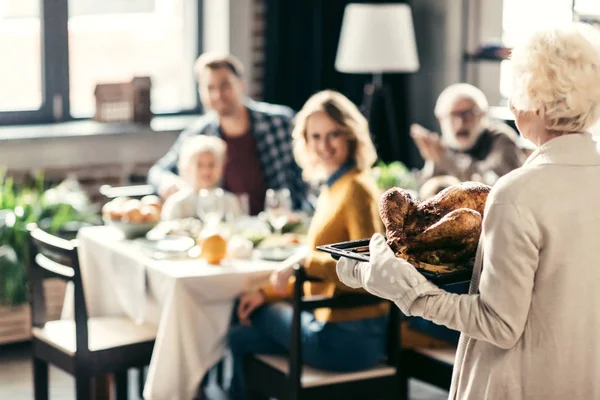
[443, 229]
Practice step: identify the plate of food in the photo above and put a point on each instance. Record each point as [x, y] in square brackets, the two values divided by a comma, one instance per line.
[440, 274]
[170, 246]
[133, 217]
[279, 253]
[280, 248]
[439, 235]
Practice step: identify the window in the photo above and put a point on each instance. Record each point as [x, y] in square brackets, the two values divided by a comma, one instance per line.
[114, 40]
[56, 51]
[21, 73]
[517, 22]
[587, 7]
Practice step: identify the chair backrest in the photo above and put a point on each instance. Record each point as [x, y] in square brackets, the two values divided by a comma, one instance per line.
[350, 300]
[53, 257]
[133, 191]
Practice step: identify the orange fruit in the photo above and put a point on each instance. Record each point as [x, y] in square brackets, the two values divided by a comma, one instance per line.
[133, 215]
[213, 248]
[108, 209]
[152, 200]
[150, 214]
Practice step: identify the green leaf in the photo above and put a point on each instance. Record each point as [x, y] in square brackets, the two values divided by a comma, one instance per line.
[21, 205]
[13, 287]
[394, 174]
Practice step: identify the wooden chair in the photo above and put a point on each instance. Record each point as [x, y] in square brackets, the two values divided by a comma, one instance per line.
[287, 378]
[85, 347]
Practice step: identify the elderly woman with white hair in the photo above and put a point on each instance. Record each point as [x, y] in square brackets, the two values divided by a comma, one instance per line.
[471, 147]
[531, 323]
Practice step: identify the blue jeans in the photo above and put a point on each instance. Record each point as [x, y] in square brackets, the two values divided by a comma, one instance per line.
[341, 346]
[439, 331]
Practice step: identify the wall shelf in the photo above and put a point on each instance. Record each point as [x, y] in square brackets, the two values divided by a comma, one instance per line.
[478, 58]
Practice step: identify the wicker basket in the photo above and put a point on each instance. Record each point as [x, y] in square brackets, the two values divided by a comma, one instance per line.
[15, 322]
[124, 101]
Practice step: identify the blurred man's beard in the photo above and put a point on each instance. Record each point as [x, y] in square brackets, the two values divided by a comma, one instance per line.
[462, 140]
[226, 111]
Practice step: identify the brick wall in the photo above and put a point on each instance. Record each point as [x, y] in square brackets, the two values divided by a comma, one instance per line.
[258, 49]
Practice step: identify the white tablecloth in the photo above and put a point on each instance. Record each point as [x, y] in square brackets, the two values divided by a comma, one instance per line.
[190, 301]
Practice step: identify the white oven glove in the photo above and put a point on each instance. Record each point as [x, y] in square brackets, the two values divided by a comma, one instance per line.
[385, 276]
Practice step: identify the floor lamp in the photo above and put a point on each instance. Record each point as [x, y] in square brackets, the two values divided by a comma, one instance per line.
[378, 39]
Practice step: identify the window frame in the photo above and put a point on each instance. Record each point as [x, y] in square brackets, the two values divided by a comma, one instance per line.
[54, 58]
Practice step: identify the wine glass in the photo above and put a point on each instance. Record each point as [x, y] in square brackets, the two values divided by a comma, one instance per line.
[210, 206]
[278, 206]
[244, 201]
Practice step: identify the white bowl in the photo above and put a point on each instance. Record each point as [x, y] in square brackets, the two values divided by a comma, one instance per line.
[130, 229]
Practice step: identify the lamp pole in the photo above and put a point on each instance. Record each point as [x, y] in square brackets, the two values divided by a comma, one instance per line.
[378, 95]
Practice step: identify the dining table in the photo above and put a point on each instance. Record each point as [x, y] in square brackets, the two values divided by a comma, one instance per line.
[188, 300]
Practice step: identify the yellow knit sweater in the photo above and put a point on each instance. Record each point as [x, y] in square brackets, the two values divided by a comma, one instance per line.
[348, 210]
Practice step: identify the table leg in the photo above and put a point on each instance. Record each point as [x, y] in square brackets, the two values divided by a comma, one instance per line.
[102, 387]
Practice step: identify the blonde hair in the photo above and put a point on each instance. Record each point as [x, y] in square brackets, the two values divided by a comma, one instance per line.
[459, 91]
[344, 113]
[557, 72]
[201, 144]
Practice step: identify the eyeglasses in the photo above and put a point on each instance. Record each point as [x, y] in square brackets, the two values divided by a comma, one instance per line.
[466, 115]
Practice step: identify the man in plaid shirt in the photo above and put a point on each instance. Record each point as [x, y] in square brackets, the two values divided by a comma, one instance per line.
[258, 137]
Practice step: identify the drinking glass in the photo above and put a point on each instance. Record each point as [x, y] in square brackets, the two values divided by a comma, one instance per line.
[210, 207]
[278, 206]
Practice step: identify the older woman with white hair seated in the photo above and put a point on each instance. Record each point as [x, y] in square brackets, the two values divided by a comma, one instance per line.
[471, 146]
[531, 323]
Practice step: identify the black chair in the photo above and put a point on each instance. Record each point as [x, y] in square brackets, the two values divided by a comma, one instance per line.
[433, 366]
[287, 378]
[85, 347]
[133, 191]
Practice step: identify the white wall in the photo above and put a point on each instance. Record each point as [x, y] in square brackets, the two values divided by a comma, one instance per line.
[487, 74]
[438, 27]
[228, 28]
[438, 32]
[215, 32]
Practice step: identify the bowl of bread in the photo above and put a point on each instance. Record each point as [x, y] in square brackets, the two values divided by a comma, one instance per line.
[133, 217]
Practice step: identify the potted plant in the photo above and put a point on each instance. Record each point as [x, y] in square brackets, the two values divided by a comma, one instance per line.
[394, 174]
[59, 209]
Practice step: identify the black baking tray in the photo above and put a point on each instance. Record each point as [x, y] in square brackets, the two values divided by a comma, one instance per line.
[359, 250]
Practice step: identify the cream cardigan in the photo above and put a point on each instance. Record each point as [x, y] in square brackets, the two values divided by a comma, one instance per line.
[531, 325]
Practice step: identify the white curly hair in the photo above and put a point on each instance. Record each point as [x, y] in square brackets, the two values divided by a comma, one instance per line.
[557, 72]
[459, 91]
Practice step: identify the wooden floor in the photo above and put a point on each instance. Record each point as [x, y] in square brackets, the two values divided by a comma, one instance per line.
[16, 380]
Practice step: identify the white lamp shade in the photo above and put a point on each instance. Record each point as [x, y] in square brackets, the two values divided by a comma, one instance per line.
[377, 38]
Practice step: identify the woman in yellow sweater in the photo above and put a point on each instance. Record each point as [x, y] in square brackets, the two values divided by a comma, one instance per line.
[332, 144]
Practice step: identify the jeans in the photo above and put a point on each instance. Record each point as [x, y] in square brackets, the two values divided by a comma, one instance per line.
[438, 331]
[342, 346]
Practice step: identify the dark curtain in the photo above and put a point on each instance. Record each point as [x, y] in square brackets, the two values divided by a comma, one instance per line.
[301, 44]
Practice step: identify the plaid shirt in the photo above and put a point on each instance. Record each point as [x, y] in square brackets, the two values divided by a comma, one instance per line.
[272, 131]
